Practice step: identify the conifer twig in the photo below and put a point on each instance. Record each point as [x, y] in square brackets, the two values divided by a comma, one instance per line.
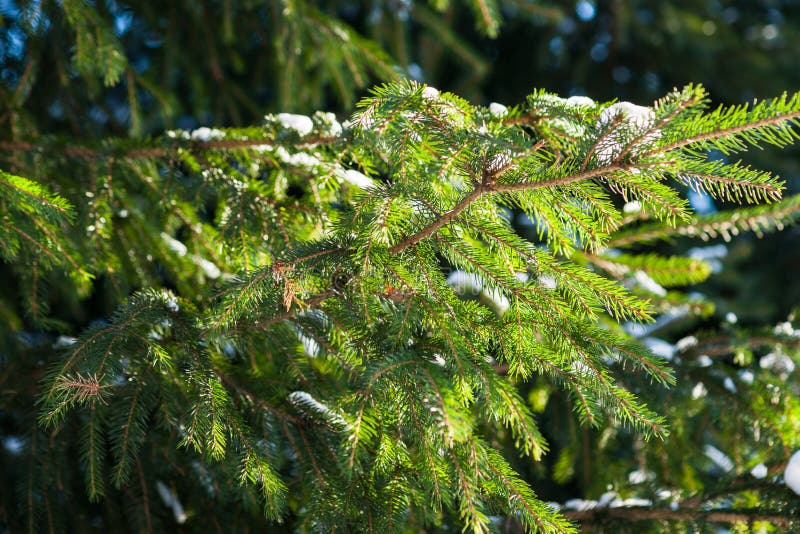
[681, 514]
[86, 152]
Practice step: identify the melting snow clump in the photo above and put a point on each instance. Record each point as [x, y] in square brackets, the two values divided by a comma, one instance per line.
[580, 504]
[630, 121]
[580, 101]
[640, 476]
[792, 474]
[634, 206]
[430, 93]
[724, 462]
[207, 134]
[498, 110]
[759, 471]
[648, 284]
[357, 178]
[299, 123]
[171, 500]
[699, 390]
[704, 360]
[746, 376]
[686, 343]
[777, 362]
[659, 347]
[174, 245]
[13, 445]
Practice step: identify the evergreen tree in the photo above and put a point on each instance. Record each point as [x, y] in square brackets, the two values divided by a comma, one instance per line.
[436, 315]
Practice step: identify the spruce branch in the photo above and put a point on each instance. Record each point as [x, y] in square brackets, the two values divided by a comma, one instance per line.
[636, 514]
[156, 152]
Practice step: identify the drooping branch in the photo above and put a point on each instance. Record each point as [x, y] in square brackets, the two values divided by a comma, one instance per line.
[87, 152]
[598, 515]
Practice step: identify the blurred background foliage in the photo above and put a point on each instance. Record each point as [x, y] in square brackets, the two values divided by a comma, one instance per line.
[137, 68]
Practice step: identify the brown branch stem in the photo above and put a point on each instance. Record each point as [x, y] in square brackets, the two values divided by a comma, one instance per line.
[85, 152]
[663, 514]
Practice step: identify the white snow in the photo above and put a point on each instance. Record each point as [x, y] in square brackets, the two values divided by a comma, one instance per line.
[174, 245]
[785, 328]
[663, 494]
[659, 347]
[792, 474]
[721, 459]
[498, 110]
[686, 343]
[301, 398]
[209, 269]
[580, 504]
[708, 253]
[172, 304]
[759, 471]
[357, 178]
[699, 390]
[298, 159]
[580, 101]
[635, 121]
[638, 117]
[13, 445]
[607, 499]
[640, 476]
[548, 281]
[299, 123]
[746, 376]
[332, 126]
[567, 126]
[63, 342]
[498, 162]
[207, 134]
[430, 93]
[631, 501]
[777, 362]
[729, 384]
[648, 284]
[704, 360]
[464, 282]
[171, 500]
[634, 206]
[310, 345]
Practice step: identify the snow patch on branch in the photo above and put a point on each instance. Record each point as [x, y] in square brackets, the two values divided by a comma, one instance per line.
[640, 476]
[464, 282]
[759, 471]
[719, 458]
[302, 124]
[659, 347]
[498, 110]
[648, 284]
[626, 122]
[791, 476]
[430, 93]
[356, 178]
[304, 400]
[206, 134]
[174, 245]
[171, 500]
